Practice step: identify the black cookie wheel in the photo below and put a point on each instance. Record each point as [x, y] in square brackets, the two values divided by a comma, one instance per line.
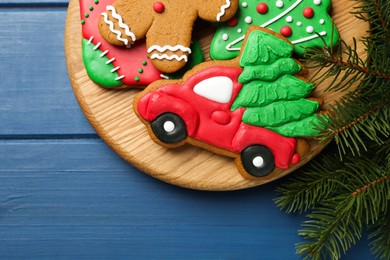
[169, 128]
[257, 160]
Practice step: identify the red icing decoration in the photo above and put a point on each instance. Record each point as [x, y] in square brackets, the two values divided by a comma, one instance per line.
[308, 12]
[179, 98]
[221, 117]
[158, 7]
[232, 22]
[262, 8]
[295, 159]
[129, 60]
[286, 31]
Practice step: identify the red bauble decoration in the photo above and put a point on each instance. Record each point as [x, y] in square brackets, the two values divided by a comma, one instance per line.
[262, 8]
[232, 22]
[286, 31]
[308, 12]
[158, 7]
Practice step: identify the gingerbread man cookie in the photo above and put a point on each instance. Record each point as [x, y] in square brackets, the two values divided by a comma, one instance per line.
[108, 65]
[112, 66]
[166, 25]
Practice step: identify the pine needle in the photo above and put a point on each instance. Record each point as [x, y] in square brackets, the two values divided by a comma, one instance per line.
[342, 195]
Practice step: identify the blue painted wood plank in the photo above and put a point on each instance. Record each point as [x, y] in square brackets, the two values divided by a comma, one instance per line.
[35, 94]
[77, 198]
[33, 3]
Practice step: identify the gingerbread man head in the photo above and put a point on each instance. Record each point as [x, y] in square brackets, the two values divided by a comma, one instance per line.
[166, 25]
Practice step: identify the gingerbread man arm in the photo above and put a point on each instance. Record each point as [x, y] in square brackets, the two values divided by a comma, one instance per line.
[124, 22]
[217, 10]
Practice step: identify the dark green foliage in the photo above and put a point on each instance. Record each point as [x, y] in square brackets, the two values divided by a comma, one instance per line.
[347, 192]
[380, 236]
[342, 197]
[356, 118]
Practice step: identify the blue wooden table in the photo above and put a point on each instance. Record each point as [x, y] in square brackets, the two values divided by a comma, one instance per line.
[64, 193]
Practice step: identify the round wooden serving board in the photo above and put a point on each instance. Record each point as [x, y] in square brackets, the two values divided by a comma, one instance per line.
[111, 113]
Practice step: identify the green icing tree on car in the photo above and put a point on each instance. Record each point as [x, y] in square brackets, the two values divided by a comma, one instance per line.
[273, 95]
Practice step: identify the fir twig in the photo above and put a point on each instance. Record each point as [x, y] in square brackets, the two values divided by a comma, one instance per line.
[376, 12]
[355, 119]
[306, 189]
[344, 66]
[380, 236]
[369, 185]
[356, 193]
[368, 85]
[329, 232]
[345, 196]
[367, 81]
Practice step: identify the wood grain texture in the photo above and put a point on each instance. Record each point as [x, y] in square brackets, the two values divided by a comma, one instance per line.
[111, 114]
[78, 199]
[99, 205]
[33, 3]
[34, 88]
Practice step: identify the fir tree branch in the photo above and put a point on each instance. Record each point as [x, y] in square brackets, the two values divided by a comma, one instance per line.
[331, 63]
[359, 119]
[336, 223]
[369, 185]
[352, 132]
[356, 193]
[329, 232]
[344, 66]
[346, 196]
[380, 229]
[310, 186]
[376, 12]
[381, 18]
[348, 65]
[384, 153]
[359, 66]
[380, 236]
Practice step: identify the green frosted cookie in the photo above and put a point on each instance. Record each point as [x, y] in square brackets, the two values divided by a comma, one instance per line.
[303, 22]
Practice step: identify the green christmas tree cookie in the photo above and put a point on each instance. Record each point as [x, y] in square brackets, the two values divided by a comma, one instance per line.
[303, 22]
[261, 93]
[273, 95]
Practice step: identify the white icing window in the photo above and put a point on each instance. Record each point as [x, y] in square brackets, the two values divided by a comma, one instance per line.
[218, 89]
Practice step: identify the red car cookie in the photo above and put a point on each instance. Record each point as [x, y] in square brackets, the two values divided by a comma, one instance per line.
[251, 108]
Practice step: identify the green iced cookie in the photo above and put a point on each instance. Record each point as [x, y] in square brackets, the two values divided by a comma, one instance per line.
[303, 22]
